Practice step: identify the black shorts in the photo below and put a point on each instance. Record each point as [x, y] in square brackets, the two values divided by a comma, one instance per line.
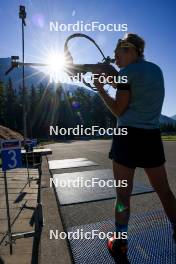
[139, 148]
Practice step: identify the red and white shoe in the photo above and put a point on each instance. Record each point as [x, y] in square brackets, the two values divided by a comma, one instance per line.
[118, 249]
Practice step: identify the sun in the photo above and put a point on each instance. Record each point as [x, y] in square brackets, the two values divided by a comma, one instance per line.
[56, 65]
[56, 61]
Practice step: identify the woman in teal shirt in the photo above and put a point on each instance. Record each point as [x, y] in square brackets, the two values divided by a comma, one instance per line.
[137, 106]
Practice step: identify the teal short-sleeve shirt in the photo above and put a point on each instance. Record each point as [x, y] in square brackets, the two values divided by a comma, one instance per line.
[147, 95]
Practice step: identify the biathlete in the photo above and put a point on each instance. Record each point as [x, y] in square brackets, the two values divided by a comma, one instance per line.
[137, 106]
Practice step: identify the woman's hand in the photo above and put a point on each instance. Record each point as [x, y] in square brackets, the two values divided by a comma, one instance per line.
[98, 85]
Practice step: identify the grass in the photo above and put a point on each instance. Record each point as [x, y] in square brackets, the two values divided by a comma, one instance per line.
[169, 138]
[165, 138]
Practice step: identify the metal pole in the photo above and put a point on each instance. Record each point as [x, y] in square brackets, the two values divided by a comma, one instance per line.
[23, 86]
[22, 16]
[8, 213]
[24, 99]
[27, 165]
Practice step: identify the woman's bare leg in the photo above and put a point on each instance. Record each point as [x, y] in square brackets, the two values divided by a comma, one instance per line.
[123, 193]
[158, 179]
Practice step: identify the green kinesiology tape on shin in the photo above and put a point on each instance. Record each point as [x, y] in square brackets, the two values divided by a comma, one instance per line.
[120, 207]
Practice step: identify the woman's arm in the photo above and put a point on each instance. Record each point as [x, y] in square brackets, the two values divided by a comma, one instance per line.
[118, 105]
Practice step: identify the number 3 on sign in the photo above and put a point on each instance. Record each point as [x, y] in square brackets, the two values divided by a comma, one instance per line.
[11, 159]
[12, 156]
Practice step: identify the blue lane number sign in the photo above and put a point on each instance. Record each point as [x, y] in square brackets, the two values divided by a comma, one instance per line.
[34, 142]
[11, 154]
[30, 142]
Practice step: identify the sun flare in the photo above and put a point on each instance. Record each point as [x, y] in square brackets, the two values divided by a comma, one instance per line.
[56, 65]
[56, 62]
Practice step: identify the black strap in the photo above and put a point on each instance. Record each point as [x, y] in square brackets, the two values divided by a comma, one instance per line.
[123, 87]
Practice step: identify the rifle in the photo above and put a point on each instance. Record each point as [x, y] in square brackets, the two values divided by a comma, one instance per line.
[75, 69]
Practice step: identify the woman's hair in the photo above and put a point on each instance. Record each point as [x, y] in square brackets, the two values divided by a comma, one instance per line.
[132, 40]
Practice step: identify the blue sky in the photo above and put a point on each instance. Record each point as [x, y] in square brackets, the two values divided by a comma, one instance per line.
[153, 20]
